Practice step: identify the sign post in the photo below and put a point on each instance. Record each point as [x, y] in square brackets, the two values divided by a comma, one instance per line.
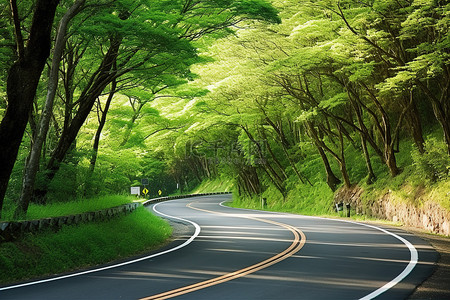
[144, 182]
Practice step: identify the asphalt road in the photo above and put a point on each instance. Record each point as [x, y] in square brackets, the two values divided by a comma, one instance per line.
[225, 253]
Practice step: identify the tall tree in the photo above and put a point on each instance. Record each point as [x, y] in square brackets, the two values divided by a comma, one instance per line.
[152, 49]
[23, 78]
[32, 165]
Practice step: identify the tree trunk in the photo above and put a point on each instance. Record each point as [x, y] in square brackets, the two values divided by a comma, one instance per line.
[415, 125]
[33, 164]
[332, 180]
[103, 76]
[370, 174]
[23, 78]
[285, 144]
[100, 128]
[386, 134]
[341, 159]
[277, 179]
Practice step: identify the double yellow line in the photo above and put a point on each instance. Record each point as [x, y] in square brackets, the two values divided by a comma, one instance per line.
[298, 242]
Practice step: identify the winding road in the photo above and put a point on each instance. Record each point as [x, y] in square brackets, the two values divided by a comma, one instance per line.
[225, 253]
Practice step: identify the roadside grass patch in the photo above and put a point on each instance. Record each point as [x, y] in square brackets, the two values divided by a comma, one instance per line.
[214, 185]
[76, 206]
[82, 246]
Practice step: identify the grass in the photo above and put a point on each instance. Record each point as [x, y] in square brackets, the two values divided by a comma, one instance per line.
[313, 200]
[77, 206]
[75, 247]
[214, 185]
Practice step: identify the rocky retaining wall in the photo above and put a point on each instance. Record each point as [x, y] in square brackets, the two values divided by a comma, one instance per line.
[429, 216]
[10, 231]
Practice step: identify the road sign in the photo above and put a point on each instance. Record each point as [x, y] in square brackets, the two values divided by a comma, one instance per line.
[135, 190]
[159, 192]
[145, 191]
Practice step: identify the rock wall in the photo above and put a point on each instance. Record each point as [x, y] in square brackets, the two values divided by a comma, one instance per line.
[10, 231]
[429, 216]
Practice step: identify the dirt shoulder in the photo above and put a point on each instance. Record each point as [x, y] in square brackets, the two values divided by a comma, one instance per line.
[437, 286]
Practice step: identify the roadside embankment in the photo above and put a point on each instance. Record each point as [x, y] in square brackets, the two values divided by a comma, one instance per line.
[420, 212]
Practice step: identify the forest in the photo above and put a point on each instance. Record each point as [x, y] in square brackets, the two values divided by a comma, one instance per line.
[290, 100]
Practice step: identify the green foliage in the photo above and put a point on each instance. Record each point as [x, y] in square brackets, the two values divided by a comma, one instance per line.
[210, 94]
[257, 9]
[434, 163]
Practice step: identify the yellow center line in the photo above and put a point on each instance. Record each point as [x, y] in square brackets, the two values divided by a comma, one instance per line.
[298, 242]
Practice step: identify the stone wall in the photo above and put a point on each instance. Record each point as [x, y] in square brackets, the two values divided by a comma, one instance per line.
[429, 216]
[10, 231]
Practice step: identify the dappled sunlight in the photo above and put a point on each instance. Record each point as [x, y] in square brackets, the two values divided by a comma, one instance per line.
[225, 237]
[153, 276]
[247, 229]
[229, 250]
[320, 280]
[364, 244]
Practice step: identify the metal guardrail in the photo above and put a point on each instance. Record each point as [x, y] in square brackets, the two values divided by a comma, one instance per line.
[161, 199]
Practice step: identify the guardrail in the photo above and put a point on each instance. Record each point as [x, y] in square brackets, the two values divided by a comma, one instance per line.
[161, 199]
[10, 231]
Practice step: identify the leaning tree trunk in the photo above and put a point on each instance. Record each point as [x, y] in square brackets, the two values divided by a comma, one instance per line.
[102, 78]
[33, 163]
[332, 180]
[23, 78]
[100, 128]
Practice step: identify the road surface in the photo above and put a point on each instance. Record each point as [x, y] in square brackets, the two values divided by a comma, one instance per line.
[226, 253]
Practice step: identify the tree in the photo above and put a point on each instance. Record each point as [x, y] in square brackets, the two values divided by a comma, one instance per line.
[23, 78]
[171, 31]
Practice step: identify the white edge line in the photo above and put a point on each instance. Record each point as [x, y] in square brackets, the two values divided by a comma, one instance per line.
[412, 262]
[187, 242]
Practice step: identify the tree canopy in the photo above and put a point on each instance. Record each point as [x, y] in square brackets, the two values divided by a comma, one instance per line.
[279, 96]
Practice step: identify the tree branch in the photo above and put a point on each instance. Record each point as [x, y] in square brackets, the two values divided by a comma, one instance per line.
[18, 33]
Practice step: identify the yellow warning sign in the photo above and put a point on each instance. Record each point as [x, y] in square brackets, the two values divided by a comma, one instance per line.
[145, 191]
[159, 192]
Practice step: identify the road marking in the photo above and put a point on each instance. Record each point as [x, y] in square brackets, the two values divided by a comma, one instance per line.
[187, 242]
[412, 250]
[297, 244]
[412, 263]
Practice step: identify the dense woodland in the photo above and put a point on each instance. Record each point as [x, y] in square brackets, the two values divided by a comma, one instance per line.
[286, 99]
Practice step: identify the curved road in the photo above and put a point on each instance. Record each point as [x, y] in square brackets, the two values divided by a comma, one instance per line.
[225, 253]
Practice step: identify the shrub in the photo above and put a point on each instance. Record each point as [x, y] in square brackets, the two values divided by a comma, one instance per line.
[434, 163]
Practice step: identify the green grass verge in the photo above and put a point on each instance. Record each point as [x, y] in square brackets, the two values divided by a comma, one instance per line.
[75, 247]
[77, 206]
